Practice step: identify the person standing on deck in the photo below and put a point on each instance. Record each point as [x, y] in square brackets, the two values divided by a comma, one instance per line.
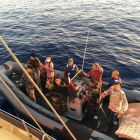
[29, 86]
[49, 69]
[115, 77]
[70, 69]
[91, 97]
[118, 104]
[37, 66]
[56, 88]
[96, 73]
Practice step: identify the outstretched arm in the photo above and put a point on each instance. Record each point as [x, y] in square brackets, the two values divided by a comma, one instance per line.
[76, 69]
[99, 67]
[106, 93]
[86, 74]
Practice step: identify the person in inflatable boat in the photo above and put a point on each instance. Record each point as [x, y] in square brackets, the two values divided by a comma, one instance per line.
[118, 103]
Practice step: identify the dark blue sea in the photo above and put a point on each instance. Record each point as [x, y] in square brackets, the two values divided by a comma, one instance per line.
[60, 28]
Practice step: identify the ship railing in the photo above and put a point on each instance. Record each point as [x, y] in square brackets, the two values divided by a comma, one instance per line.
[34, 84]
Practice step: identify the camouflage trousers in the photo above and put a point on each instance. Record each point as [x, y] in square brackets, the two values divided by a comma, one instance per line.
[59, 101]
[38, 74]
[31, 94]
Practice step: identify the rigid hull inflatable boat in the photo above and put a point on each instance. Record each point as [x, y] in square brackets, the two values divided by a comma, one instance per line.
[81, 128]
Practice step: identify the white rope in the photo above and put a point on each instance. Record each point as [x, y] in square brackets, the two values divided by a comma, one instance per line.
[26, 73]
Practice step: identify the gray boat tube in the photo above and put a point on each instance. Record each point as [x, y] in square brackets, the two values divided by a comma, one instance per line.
[44, 117]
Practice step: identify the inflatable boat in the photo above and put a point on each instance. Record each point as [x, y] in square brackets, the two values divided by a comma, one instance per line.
[82, 129]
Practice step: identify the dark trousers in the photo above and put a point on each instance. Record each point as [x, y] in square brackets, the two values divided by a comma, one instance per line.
[112, 117]
[59, 101]
[90, 109]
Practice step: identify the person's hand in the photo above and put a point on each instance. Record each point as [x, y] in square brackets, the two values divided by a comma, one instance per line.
[97, 64]
[97, 101]
[119, 115]
[48, 82]
[46, 67]
[43, 66]
[82, 71]
[83, 100]
[102, 95]
[18, 85]
[109, 91]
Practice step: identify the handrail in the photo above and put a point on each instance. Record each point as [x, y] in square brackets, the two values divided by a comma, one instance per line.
[26, 73]
[24, 107]
[28, 124]
[26, 127]
[76, 75]
[19, 119]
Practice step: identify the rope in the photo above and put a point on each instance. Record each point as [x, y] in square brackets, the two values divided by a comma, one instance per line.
[24, 107]
[103, 112]
[14, 57]
[85, 51]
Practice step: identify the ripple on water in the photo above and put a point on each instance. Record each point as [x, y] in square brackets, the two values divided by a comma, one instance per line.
[60, 28]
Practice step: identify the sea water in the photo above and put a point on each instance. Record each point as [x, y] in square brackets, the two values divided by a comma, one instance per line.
[60, 28]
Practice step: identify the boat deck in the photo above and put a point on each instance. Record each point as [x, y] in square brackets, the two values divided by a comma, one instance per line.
[90, 122]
